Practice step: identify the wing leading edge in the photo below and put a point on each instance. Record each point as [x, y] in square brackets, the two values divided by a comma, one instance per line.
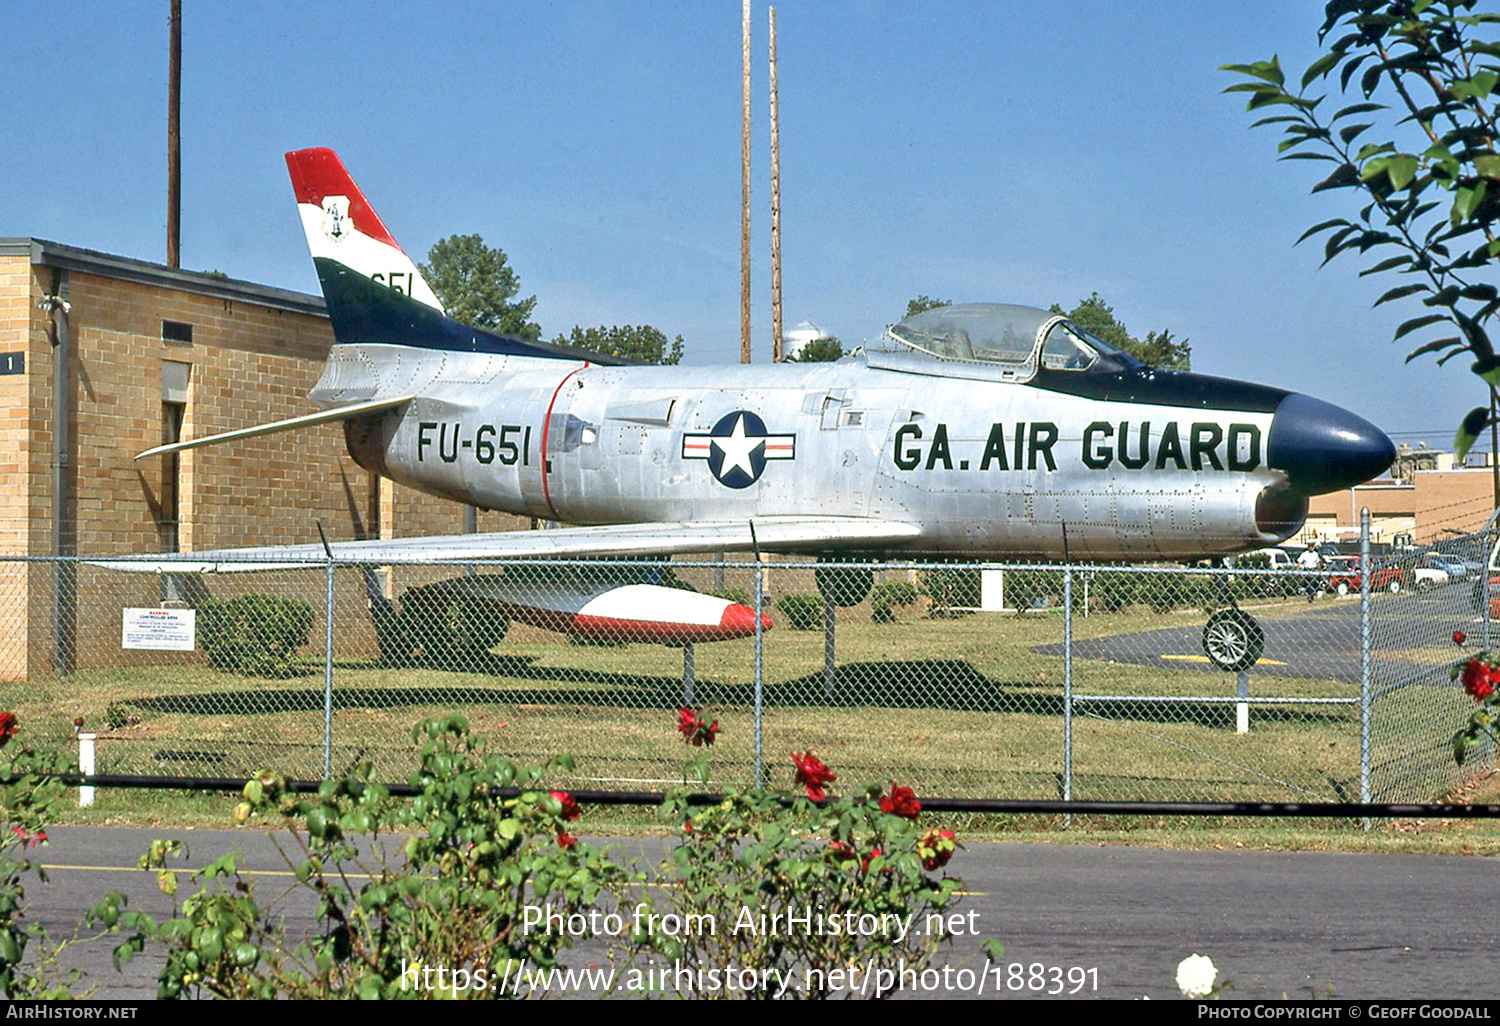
[770, 534]
[363, 409]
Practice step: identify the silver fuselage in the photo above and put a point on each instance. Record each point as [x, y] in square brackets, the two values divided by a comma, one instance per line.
[985, 467]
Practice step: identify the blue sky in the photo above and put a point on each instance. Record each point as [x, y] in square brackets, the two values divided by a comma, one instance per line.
[1029, 153]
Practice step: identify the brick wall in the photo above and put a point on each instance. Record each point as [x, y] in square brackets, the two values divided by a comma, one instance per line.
[1452, 502]
[250, 363]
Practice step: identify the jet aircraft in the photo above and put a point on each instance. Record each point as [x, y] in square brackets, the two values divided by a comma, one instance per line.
[982, 431]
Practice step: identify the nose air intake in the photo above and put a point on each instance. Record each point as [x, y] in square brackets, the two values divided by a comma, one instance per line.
[1323, 448]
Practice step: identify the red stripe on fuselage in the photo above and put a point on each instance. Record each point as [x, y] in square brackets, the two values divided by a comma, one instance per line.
[317, 173]
[546, 427]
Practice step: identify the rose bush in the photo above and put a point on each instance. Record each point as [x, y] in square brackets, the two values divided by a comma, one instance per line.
[444, 880]
[695, 728]
[1480, 677]
[30, 797]
[753, 858]
[812, 774]
[440, 880]
[901, 802]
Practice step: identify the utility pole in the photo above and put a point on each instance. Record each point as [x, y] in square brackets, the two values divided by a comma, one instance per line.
[745, 186]
[174, 140]
[775, 207]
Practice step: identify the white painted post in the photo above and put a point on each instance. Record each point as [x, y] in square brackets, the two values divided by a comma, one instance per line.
[1242, 709]
[86, 767]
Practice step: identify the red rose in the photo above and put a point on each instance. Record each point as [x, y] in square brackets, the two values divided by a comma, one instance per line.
[570, 809]
[7, 727]
[936, 847]
[840, 851]
[696, 730]
[566, 841]
[902, 801]
[864, 866]
[812, 774]
[1479, 679]
[1459, 637]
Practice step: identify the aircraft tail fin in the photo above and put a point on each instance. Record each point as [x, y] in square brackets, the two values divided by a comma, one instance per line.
[375, 293]
[343, 228]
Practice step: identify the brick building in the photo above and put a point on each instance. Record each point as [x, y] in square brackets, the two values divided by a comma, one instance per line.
[1437, 505]
[157, 353]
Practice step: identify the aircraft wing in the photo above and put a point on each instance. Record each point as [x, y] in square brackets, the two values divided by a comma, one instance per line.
[306, 420]
[770, 534]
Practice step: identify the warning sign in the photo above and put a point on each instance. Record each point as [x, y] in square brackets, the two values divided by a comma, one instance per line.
[160, 630]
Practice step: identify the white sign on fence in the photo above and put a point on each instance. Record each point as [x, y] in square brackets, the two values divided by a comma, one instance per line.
[161, 630]
[992, 590]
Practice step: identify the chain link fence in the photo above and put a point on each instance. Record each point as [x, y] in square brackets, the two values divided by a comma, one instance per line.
[982, 680]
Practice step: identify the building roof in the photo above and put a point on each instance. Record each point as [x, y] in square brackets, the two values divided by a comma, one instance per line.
[108, 265]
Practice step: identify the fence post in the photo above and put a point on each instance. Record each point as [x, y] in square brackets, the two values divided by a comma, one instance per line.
[328, 676]
[1068, 689]
[1491, 536]
[87, 766]
[830, 654]
[687, 673]
[1364, 658]
[759, 693]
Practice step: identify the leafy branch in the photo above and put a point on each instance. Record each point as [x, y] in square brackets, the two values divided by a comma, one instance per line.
[1421, 74]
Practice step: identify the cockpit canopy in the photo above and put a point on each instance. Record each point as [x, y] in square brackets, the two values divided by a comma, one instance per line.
[1020, 338]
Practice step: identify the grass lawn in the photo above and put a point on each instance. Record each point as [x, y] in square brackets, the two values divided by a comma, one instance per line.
[963, 706]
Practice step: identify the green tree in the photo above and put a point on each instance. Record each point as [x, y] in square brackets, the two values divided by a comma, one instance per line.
[1159, 349]
[923, 303]
[476, 286]
[1416, 152]
[819, 350]
[642, 343]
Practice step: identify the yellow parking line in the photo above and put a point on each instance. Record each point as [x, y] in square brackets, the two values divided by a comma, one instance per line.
[1204, 659]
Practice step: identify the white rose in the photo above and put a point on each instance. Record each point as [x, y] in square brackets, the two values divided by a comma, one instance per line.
[1196, 975]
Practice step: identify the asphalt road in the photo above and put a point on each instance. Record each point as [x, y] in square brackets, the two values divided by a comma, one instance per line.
[1410, 633]
[1277, 924]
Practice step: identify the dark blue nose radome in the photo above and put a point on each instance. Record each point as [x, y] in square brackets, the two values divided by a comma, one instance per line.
[1323, 448]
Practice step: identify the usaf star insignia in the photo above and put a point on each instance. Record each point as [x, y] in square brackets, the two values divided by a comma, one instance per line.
[737, 448]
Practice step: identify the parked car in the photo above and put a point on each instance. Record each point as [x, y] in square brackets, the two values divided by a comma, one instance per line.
[1344, 576]
[1428, 577]
[1450, 564]
[1493, 578]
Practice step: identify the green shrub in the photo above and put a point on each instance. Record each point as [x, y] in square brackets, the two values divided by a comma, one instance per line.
[669, 579]
[951, 589]
[253, 634]
[739, 595]
[1114, 591]
[802, 612]
[886, 597]
[843, 585]
[453, 632]
[1280, 585]
[1024, 587]
[1167, 592]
